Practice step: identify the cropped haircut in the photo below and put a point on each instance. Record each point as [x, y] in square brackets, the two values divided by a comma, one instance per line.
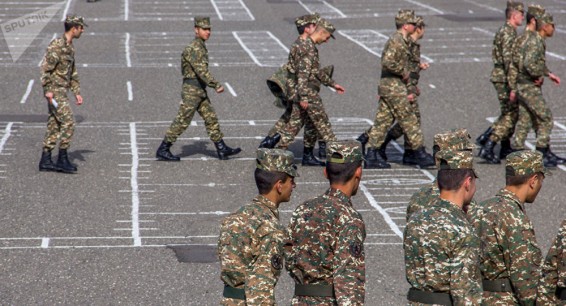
[530, 17]
[265, 180]
[452, 179]
[70, 25]
[341, 173]
[518, 180]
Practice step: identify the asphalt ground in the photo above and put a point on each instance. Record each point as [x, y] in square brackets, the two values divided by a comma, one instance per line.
[110, 234]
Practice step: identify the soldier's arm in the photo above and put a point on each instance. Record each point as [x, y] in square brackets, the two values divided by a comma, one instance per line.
[75, 83]
[349, 262]
[507, 41]
[48, 65]
[325, 79]
[392, 58]
[196, 57]
[534, 61]
[555, 260]
[465, 277]
[303, 66]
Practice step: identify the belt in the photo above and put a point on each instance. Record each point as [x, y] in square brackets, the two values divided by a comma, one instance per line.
[194, 82]
[234, 293]
[498, 285]
[425, 297]
[387, 74]
[521, 79]
[314, 290]
[561, 293]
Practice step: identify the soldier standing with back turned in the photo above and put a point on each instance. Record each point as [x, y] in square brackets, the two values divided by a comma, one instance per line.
[552, 286]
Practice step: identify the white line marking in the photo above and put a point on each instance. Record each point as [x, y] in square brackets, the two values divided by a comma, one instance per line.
[483, 31]
[45, 243]
[425, 172]
[28, 91]
[216, 9]
[126, 10]
[426, 6]
[432, 86]
[7, 132]
[380, 209]
[359, 44]
[491, 8]
[66, 11]
[230, 89]
[556, 55]
[278, 41]
[127, 48]
[247, 10]
[248, 51]
[134, 185]
[305, 7]
[335, 9]
[130, 92]
[252, 122]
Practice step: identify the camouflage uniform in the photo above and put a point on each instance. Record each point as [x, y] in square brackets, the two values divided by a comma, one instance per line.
[250, 245]
[553, 282]
[510, 256]
[196, 77]
[326, 243]
[441, 248]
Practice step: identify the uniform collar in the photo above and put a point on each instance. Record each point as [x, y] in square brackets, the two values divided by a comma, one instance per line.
[263, 201]
[450, 206]
[336, 193]
[504, 193]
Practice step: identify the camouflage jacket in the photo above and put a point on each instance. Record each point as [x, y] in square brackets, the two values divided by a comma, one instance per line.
[553, 271]
[394, 66]
[326, 246]
[414, 66]
[423, 198]
[531, 59]
[250, 249]
[441, 253]
[58, 69]
[513, 72]
[194, 64]
[502, 52]
[304, 65]
[509, 248]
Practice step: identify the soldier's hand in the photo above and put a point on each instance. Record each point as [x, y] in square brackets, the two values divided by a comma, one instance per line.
[405, 78]
[304, 105]
[49, 96]
[554, 78]
[411, 98]
[424, 66]
[538, 82]
[79, 99]
[220, 89]
[339, 89]
[512, 96]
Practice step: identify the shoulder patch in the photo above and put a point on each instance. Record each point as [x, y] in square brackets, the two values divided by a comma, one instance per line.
[277, 262]
[356, 248]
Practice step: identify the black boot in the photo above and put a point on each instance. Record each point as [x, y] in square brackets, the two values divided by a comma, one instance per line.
[322, 149]
[559, 160]
[483, 138]
[548, 159]
[409, 157]
[269, 142]
[163, 152]
[420, 158]
[506, 149]
[486, 152]
[383, 146]
[309, 159]
[363, 139]
[63, 162]
[374, 160]
[46, 164]
[224, 151]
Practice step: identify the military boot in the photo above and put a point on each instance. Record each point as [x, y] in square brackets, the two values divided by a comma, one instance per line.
[46, 164]
[409, 157]
[309, 159]
[224, 151]
[420, 158]
[363, 139]
[559, 160]
[486, 152]
[548, 159]
[63, 162]
[483, 138]
[383, 146]
[374, 161]
[269, 142]
[163, 152]
[322, 149]
[506, 149]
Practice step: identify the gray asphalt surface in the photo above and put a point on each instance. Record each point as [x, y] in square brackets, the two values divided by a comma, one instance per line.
[100, 237]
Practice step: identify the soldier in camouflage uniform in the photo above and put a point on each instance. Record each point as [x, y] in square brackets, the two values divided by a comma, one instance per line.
[250, 246]
[441, 247]
[455, 140]
[552, 287]
[196, 77]
[58, 76]
[531, 70]
[502, 129]
[325, 251]
[394, 99]
[510, 257]
[303, 89]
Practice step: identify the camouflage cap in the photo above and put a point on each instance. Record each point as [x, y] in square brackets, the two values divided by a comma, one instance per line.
[307, 19]
[455, 139]
[276, 160]
[405, 16]
[343, 151]
[524, 162]
[420, 21]
[203, 22]
[515, 5]
[74, 19]
[536, 10]
[546, 19]
[325, 24]
[453, 160]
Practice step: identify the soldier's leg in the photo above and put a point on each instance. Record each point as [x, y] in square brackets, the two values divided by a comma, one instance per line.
[185, 114]
[52, 133]
[524, 125]
[399, 131]
[408, 120]
[381, 123]
[310, 134]
[281, 122]
[67, 124]
[504, 126]
[208, 114]
[320, 120]
[292, 128]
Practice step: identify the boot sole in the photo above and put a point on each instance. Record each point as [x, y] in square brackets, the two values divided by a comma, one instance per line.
[49, 170]
[169, 160]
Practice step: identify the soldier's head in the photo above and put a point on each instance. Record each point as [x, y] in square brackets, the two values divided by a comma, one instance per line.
[534, 12]
[545, 25]
[344, 164]
[324, 30]
[524, 174]
[455, 140]
[306, 24]
[202, 28]
[456, 173]
[515, 13]
[75, 25]
[275, 174]
[420, 28]
[406, 21]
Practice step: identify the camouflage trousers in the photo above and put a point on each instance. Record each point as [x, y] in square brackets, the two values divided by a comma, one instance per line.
[299, 117]
[499, 298]
[232, 302]
[396, 131]
[504, 126]
[314, 300]
[524, 125]
[60, 124]
[310, 133]
[195, 99]
[530, 96]
[396, 108]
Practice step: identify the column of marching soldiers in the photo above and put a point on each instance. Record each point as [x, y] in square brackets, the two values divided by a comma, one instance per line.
[457, 251]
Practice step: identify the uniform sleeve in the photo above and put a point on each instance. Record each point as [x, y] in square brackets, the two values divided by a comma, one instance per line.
[303, 66]
[465, 277]
[48, 65]
[534, 62]
[325, 79]
[507, 41]
[349, 262]
[197, 58]
[75, 83]
[394, 57]
[555, 260]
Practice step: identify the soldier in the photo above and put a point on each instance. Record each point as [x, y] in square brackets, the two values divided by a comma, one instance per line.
[250, 246]
[552, 287]
[196, 77]
[510, 257]
[455, 140]
[58, 75]
[441, 248]
[395, 100]
[416, 66]
[304, 87]
[325, 251]
[531, 67]
[503, 128]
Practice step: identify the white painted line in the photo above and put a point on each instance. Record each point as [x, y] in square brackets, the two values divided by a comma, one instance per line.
[66, 11]
[359, 44]
[432, 86]
[305, 7]
[247, 10]
[558, 56]
[252, 122]
[126, 10]
[127, 48]
[7, 132]
[45, 243]
[134, 185]
[216, 9]
[248, 51]
[130, 92]
[28, 91]
[334, 9]
[230, 89]
[278, 41]
[560, 125]
[380, 209]
[426, 6]
[491, 8]
[483, 31]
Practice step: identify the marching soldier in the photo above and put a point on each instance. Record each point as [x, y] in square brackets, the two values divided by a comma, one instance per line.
[552, 287]
[58, 76]
[250, 246]
[325, 251]
[196, 77]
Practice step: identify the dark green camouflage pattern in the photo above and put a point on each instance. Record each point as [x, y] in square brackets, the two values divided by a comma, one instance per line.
[554, 271]
[348, 151]
[276, 160]
[524, 162]
[203, 22]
